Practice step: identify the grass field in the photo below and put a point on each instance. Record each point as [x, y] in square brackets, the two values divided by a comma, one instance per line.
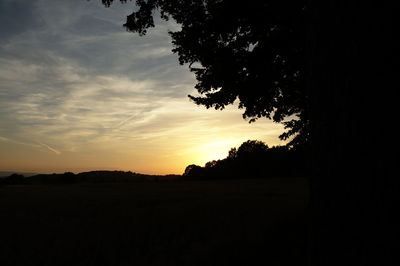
[214, 222]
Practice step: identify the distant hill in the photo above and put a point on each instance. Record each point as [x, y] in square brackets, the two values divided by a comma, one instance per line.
[8, 173]
[85, 177]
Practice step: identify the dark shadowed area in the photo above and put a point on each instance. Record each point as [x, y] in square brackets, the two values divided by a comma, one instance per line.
[215, 222]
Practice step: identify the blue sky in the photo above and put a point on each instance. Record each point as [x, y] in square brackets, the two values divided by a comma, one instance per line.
[79, 93]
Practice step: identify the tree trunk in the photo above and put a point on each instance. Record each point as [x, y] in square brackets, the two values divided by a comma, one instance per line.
[352, 188]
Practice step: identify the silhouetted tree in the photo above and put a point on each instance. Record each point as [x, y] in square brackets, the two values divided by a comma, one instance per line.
[232, 154]
[191, 170]
[210, 164]
[252, 147]
[252, 51]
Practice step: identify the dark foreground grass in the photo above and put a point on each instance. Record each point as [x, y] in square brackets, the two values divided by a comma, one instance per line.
[224, 222]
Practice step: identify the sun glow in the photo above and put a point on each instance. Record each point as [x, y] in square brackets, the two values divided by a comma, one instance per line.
[209, 151]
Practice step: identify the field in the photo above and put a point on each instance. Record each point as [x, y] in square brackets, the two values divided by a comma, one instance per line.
[213, 222]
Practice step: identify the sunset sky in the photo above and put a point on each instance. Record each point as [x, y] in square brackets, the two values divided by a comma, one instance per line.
[79, 93]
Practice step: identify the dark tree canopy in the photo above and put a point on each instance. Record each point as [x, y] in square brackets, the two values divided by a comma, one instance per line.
[252, 147]
[251, 51]
[254, 159]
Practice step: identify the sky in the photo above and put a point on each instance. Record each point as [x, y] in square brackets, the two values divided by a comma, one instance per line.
[80, 93]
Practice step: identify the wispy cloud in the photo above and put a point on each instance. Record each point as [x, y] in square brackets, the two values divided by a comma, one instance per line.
[49, 148]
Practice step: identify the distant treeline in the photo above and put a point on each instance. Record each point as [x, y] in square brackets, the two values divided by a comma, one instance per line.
[254, 159]
[85, 177]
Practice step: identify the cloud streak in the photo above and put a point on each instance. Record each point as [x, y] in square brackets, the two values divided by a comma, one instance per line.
[49, 148]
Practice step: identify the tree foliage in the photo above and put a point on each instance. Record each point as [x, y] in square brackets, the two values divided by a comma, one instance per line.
[252, 147]
[254, 159]
[251, 51]
[191, 169]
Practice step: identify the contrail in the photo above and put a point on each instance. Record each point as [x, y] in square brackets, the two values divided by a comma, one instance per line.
[120, 124]
[50, 148]
[31, 144]
[18, 142]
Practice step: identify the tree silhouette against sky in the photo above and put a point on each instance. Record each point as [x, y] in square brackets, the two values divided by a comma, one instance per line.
[250, 51]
